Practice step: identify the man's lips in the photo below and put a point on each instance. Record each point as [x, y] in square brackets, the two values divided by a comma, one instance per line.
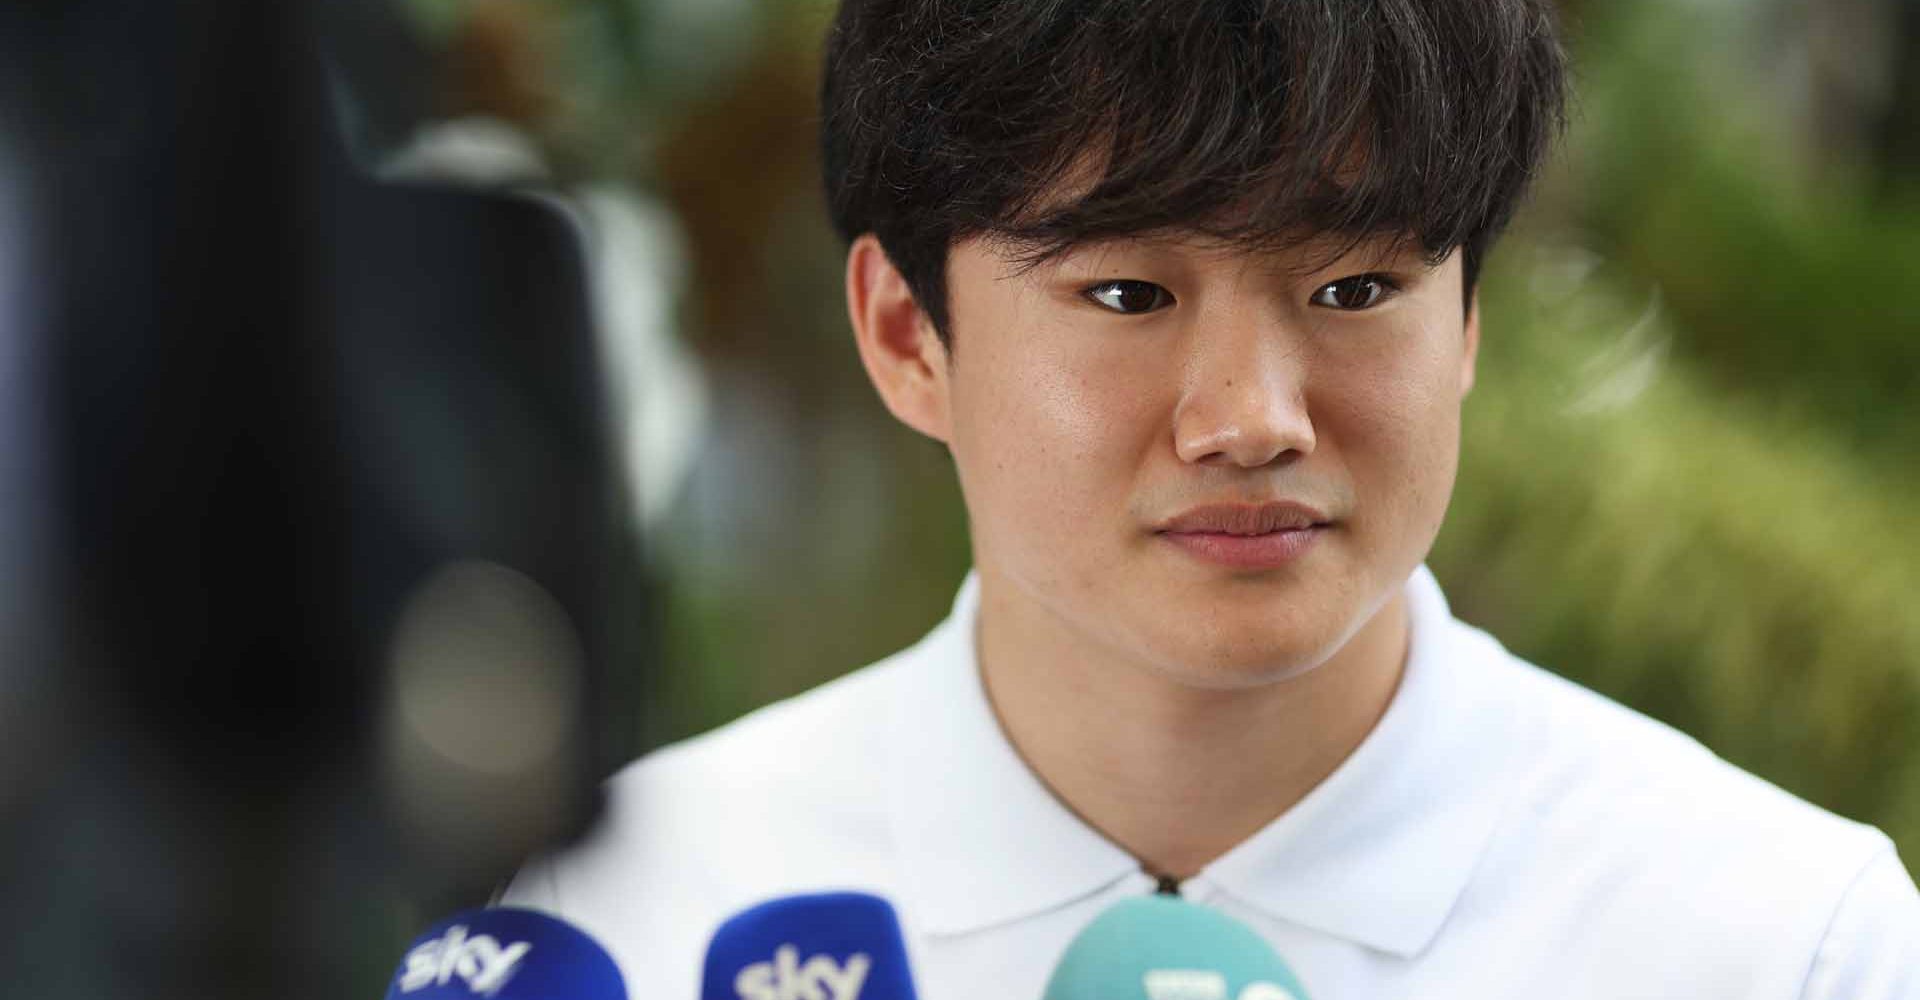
[1241, 519]
[1246, 536]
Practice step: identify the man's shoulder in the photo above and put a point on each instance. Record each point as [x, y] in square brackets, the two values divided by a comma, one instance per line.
[809, 737]
[796, 773]
[778, 773]
[784, 799]
[1590, 753]
[1638, 828]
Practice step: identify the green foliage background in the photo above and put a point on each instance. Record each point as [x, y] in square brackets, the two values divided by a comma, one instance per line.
[1689, 460]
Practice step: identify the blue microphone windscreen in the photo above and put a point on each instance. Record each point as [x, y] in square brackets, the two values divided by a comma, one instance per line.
[1165, 948]
[827, 946]
[506, 954]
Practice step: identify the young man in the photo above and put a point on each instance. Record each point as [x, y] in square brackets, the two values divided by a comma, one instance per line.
[1187, 289]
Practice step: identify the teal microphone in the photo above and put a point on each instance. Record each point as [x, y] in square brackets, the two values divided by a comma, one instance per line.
[1165, 948]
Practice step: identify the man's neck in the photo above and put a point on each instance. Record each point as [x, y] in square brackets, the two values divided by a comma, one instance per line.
[1176, 775]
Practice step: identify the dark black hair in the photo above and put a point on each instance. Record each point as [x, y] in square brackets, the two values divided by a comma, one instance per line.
[1264, 123]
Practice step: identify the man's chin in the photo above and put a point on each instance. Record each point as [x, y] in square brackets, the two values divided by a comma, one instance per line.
[1223, 663]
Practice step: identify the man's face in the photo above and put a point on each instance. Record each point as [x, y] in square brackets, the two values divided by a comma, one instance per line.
[1206, 461]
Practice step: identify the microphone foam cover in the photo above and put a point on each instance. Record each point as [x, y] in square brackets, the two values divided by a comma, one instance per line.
[1165, 948]
[506, 954]
[823, 946]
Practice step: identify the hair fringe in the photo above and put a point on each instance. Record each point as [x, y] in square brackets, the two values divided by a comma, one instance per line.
[1264, 124]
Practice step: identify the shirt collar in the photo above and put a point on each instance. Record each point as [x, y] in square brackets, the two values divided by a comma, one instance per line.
[1381, 850]
[982, 840]
[1377, 853]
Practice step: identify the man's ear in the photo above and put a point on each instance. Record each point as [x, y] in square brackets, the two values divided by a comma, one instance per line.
[903, 355]
[1470, 356]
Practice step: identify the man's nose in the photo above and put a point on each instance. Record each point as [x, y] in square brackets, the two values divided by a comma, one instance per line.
[1245, 398]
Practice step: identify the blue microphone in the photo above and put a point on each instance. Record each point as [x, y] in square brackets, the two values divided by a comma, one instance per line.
[506, 954]
[826, 946]
[1165, 948]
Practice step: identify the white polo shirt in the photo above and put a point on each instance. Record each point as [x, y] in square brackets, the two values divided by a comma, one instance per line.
[1500, 833]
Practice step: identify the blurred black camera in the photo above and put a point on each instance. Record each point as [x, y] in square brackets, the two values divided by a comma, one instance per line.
[311, 529]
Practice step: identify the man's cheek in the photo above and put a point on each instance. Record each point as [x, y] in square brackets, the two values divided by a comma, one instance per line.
[1064, 396]
[1401, 410]
[1061, 428]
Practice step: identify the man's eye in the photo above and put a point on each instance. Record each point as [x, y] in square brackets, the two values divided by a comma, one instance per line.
[1127, 296]
[1360, 291]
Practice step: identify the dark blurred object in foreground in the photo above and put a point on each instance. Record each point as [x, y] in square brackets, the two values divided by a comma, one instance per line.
[310, 531]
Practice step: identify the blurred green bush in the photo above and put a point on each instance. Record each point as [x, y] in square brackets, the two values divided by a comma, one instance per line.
[1687, 467]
